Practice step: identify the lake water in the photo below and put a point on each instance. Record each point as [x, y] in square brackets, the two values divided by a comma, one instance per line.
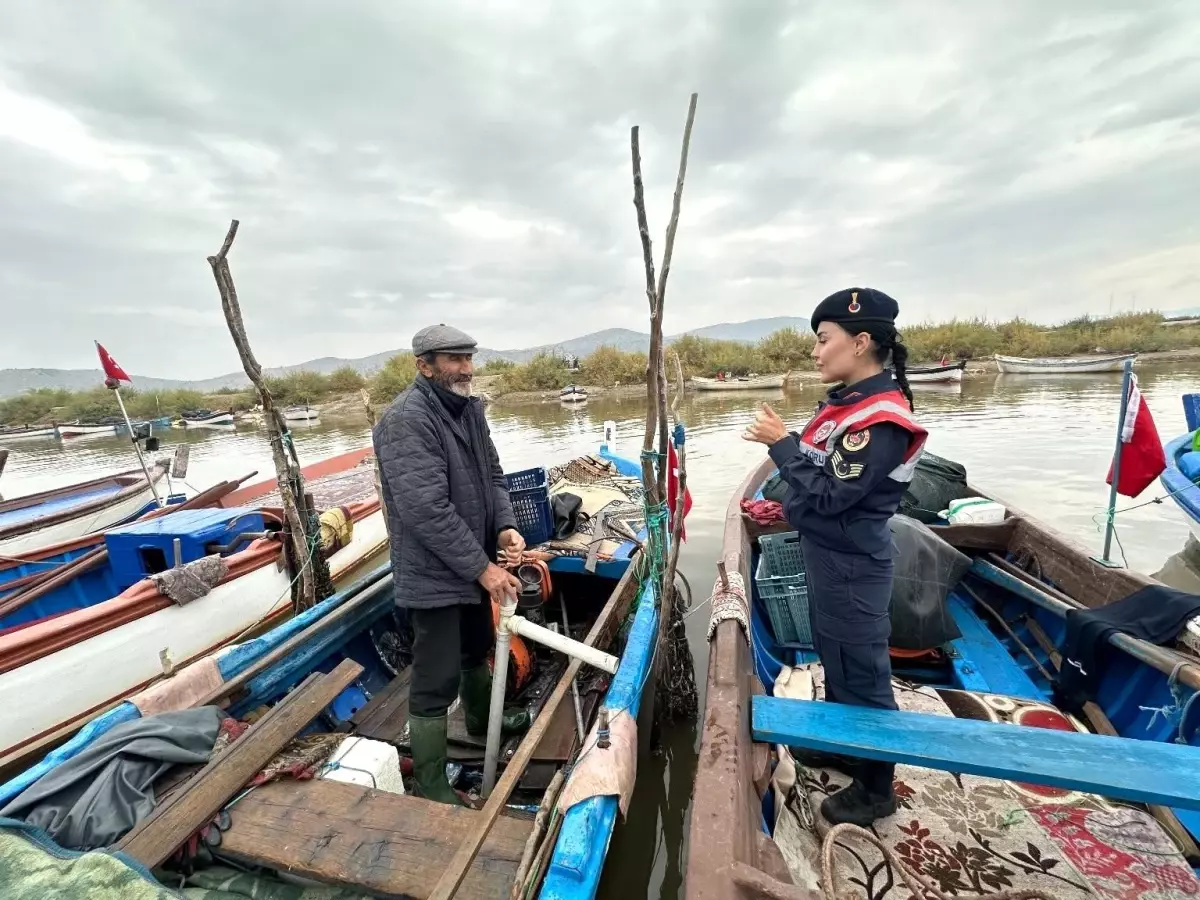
[1043, 444]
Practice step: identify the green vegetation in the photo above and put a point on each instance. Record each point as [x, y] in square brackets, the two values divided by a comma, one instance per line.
[609, 367]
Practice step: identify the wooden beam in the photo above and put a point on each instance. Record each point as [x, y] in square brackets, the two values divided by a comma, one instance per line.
[158, 836]
[1120, 768]
[388, 844]
[602, 631]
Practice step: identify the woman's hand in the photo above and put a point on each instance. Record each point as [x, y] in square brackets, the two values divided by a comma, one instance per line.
[767, 427]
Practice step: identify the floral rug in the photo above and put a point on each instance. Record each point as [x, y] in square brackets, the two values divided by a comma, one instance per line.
[974, 836]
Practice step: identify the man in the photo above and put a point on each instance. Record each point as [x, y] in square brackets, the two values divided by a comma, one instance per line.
[448, 516]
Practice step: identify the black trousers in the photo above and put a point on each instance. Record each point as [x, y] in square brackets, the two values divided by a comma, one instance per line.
[446, 642]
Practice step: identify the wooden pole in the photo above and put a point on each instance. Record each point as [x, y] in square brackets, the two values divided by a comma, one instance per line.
[289, 477]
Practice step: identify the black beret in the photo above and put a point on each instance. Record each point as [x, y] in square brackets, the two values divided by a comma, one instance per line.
[865, 306]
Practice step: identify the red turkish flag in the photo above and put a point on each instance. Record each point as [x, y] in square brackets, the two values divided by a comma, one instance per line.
[1142, 456]
[111, 369]
[673, 489]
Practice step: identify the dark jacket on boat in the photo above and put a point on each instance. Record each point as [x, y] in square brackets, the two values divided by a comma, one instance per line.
[444, 495]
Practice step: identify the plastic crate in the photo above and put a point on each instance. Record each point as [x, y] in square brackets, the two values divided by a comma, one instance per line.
[783, 588]
[530, 495]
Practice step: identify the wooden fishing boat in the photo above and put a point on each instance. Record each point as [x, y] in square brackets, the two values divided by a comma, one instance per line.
[203, 418]
[966, 708]
[86, 431]
[573, 393]
[29, 433]
[119, 641]
[300, 414]
[285, 826]
[61, 514]
[947, 374]
[1069, 365]
[739, 383]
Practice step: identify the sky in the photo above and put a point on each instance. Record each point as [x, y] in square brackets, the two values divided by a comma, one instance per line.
[399, 164]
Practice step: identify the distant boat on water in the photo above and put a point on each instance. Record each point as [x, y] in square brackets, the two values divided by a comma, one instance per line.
[739, 383]
[202, 418]
[573, 393]
[86, 430]
[951, 373]
[1065, 365]
[300, 414]
[28, 433]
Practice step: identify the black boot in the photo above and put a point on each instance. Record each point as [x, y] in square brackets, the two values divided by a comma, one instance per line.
[815, 759]
[867, 798]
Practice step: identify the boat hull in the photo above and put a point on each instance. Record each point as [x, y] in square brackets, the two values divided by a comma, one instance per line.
[86, 432]
[936, 374]
[300, 415]
[217, 419]
[739, 384]
[98, 671]
[1017, 365]
[20, 435]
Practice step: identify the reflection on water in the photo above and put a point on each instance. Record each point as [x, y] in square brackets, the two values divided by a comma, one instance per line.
[1042, 444]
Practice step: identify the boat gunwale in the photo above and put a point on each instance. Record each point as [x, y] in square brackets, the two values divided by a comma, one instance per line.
[131, 483]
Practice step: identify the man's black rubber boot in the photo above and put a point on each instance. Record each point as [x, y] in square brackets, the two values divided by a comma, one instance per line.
[475, 690]
[815, 759]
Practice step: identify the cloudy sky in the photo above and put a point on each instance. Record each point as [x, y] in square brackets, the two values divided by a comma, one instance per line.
[395, 164]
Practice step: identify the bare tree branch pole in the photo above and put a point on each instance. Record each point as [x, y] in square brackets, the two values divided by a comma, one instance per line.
[293, 505]
[649, 481]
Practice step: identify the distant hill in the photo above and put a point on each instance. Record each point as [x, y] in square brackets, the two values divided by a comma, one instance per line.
[17, 381]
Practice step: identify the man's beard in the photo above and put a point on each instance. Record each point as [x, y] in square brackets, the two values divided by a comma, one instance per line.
[458, 384]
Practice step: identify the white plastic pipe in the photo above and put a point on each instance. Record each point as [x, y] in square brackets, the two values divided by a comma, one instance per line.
[491, 751]
[563, 644]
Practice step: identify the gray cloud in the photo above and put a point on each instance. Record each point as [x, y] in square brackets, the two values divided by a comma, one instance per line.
[394, 164]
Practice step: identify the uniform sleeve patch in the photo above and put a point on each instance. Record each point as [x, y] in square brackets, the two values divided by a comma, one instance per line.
[853, 441]
[842, 469]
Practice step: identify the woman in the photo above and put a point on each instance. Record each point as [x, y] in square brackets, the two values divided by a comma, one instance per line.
[845, 475]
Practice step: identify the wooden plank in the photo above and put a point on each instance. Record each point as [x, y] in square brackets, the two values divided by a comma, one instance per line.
[157, 837]
[389, 844]
[1120, 768]
[601, 634]
[384, 715]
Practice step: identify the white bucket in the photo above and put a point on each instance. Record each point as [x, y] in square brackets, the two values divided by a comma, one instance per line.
[974, 511]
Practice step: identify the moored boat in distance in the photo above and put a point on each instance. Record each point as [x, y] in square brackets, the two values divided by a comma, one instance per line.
[203, 418]
[573, 393]
[28, 433]
[738, 383]
[300, 414]
[61, 514]
[1065, 365]
[939, 374]
[85, 431]
[756, 829]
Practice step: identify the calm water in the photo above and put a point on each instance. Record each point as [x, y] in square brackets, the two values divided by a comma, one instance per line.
[1043, 444]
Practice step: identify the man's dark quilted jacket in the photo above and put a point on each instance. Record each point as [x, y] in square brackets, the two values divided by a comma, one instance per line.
[444, 496]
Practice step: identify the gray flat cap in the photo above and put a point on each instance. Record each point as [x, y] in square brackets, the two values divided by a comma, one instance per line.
[442, 339]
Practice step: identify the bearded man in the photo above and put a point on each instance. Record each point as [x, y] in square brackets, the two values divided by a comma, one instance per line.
[448, 517]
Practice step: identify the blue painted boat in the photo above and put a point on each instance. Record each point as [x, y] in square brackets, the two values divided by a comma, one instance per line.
[1120, 757]
[605, 602]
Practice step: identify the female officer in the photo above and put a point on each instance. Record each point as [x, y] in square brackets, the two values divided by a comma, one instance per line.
[845, 475]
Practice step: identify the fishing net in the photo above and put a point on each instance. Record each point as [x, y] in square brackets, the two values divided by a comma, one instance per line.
[927, 569]
[935, 483]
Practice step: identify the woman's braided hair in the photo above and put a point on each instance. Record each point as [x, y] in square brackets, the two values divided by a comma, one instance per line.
[889, 347]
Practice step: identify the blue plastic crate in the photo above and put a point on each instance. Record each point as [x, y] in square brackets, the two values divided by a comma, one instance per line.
[530, 495]
[783, 588]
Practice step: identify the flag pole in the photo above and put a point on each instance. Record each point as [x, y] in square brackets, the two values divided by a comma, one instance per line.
[137, 448]
[1110, 523]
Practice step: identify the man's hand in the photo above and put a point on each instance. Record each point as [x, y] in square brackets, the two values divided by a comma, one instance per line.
[512, 545]
[501, 585]
[767, 427]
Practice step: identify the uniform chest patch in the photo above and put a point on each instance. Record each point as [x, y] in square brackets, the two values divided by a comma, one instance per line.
[856, 440]
[824, 431]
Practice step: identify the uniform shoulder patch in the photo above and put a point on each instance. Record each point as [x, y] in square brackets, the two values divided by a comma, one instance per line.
[842, 469]
[853, 441]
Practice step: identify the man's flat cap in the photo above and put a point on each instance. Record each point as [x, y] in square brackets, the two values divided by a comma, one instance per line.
[442, 339]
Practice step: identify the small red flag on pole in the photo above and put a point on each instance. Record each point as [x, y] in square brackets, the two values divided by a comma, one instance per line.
[111, 369]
